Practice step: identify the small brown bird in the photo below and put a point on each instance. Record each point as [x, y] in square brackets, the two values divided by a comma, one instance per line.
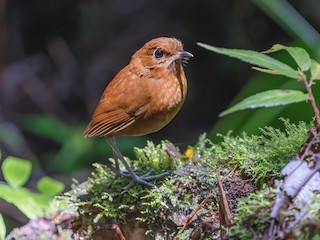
[142, 98]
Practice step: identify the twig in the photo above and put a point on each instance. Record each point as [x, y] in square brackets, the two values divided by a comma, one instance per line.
[311, 97]
[117, 231]
[226, 218]
[229, 174]
[190, 217]
[313, 137]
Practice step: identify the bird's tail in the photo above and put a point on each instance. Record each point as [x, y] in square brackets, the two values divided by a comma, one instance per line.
[86, 132]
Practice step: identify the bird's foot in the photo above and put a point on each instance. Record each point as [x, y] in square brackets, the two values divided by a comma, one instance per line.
[143, 179]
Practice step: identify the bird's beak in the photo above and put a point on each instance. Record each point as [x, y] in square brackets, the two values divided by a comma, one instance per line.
[183, 55]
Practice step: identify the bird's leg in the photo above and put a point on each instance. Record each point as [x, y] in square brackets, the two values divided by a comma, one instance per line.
[141, 179]
[116, 168]
[115, 156]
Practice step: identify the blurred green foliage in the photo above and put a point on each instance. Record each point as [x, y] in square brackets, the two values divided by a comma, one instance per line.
[292, 22]
[74, 152]
[16, 172]
[303, 35]
[3, 230]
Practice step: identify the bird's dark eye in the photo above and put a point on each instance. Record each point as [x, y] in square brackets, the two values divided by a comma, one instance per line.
[158, 53]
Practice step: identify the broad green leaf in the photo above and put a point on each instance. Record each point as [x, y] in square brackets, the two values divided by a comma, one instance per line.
[250, 121]
[268, 98]
[31, 204]
[16, 171]
[256, 58]
[315, 70]
[3, 230]
[300, 56]
[50, 186]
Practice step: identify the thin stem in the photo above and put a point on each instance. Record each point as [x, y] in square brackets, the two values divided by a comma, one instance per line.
[311, 98]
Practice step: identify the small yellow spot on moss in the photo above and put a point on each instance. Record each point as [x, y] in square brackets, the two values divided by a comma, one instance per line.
[189, 153]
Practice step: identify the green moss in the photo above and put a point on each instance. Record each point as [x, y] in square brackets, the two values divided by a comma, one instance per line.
[315, 207]
[161, 206]
[308, 225]
[155, 156]
[252, 214]
[164, 209]
[262, 157]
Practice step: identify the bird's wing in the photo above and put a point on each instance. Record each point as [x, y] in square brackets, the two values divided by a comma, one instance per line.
[118, 108]
[114, 120]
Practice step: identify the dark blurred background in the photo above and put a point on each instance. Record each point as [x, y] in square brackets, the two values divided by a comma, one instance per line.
[57, 57]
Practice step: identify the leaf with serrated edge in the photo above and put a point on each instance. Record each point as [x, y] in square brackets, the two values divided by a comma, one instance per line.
[315, 70]
[255, 58]
[270, 98]
[300, 56]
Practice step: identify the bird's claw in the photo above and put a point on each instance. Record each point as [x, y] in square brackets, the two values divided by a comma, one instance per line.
[143, 179]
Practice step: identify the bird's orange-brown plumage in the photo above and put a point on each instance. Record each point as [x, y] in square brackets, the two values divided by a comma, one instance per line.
[145, 95]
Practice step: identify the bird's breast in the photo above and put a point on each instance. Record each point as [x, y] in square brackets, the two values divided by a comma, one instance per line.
[167, 94]
[167, 97]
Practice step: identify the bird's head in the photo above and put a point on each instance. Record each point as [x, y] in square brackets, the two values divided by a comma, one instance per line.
[161, 53]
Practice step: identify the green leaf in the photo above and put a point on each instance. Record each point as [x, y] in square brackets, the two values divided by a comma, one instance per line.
[31, 204]
[268, 98]
[3, 230]
[300, 55]
[315, 70]
[16, 171]
[50, 186]
[265, 70]
[256, 58]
